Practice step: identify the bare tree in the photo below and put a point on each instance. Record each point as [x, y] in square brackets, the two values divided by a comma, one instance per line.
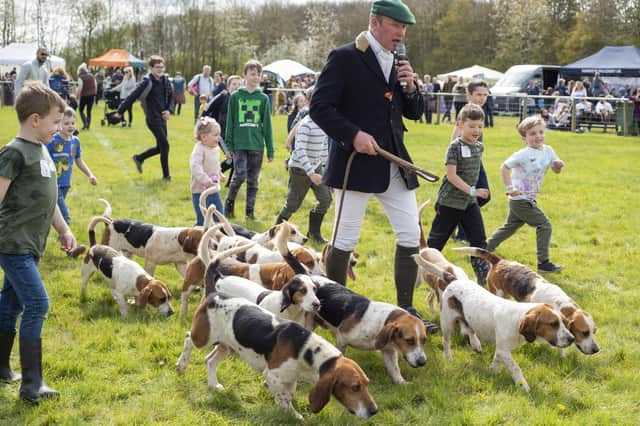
[90, 16]
[8, 22]
[321, 26]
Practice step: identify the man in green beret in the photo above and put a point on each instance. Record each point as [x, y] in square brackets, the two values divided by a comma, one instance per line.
[360, 99]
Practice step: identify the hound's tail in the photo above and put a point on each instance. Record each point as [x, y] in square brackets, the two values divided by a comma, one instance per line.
[203, 247]
[213, 275]
[208, 216]
[107, 208]
[478, 252]
[433, 269]
[202, 201]
[423, 241]
[283, 249]
[92, 225]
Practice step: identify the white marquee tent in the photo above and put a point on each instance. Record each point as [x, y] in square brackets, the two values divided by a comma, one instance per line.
[284, 69]
[18, 53]
[475, 71]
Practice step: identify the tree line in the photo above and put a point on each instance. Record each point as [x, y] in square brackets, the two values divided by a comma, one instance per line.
[449, 34]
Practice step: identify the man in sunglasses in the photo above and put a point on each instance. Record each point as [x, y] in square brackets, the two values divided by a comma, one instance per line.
[37, 69]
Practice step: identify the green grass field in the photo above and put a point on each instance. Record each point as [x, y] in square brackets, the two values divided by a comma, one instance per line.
[115, 370]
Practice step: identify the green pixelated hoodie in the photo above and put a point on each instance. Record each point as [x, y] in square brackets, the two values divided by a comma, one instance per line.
[249, 122]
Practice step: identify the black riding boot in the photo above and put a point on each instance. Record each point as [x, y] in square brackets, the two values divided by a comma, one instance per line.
[33, 388]
[6, 343]
[337, 264]
[315, 223]
[405, 274]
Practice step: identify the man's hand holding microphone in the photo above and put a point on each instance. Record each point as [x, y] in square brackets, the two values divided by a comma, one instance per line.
[404, 70]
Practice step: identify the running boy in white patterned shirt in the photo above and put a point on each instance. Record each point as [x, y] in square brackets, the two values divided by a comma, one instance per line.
[522, 174]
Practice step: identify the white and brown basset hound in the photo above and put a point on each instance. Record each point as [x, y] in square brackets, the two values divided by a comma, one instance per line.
[126, 278]
[365, 324]
[509, 278]
[158, 245]
[283, 351]
[505, 323]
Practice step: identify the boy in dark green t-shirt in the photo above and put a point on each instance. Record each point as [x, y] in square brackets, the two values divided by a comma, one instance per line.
[28, 195]
[457, 198]
[248, 132]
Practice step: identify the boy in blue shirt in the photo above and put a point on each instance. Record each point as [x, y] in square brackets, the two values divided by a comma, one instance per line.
[64, 149]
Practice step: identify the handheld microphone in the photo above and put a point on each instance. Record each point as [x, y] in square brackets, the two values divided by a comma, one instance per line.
[401, 55]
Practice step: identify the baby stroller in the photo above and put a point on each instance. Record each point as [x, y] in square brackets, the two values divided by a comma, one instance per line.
[111, 104]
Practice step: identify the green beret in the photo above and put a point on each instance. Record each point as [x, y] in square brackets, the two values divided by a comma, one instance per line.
[393, 9]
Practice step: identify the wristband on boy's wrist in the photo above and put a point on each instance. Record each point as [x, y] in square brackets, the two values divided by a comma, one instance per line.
[472, 191]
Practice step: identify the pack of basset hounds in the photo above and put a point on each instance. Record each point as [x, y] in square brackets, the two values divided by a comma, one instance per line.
[264, 293]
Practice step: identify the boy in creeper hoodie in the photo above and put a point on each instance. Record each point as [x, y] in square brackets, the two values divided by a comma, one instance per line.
[247, 133]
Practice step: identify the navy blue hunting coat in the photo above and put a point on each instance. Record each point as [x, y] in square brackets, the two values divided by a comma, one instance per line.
[352, 94]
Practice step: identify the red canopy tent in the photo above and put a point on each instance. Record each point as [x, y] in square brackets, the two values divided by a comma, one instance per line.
[117, 58]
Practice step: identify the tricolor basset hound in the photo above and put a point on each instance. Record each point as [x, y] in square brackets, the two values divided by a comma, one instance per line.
[509, 278]
[296, 301]
[365, 324]
[283, 351]
[158, 245]
[126, 279]
[505, 323]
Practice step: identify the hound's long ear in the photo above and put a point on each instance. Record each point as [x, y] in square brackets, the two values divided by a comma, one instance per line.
[286, 297]
[384, 337]
[528, 327]
[321, 393]
[143, 297]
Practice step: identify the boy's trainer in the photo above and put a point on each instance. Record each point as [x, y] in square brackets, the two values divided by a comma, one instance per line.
[548, 266]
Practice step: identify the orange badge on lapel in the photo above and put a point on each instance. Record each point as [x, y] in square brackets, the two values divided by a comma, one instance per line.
[389, 96]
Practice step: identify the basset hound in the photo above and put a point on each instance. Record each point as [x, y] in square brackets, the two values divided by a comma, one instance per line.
[365, 324]
[505, 323]
[158, 245]
[126, 278]
[509, 278]
[283, 351]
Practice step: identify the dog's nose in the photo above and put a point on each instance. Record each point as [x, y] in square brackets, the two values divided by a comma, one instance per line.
[304, 240]
[169, 312]
[373, 410]
[421, 361]
[571, 339]
[315, 306]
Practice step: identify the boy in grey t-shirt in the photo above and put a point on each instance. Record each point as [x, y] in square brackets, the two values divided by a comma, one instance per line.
[457, 195]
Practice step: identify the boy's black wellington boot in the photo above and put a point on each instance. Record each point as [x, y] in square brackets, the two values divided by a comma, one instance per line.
[33, 388]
